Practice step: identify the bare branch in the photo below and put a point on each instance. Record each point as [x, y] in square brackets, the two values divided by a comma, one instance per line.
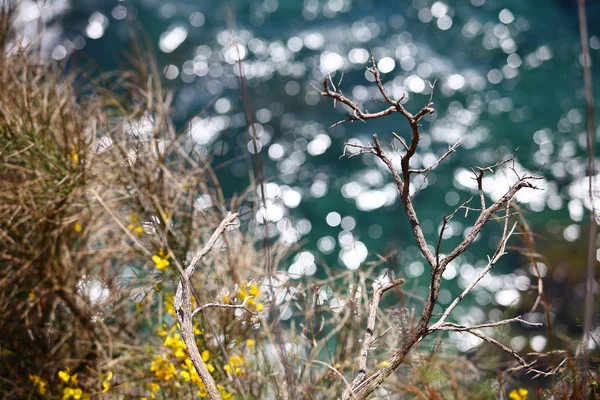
[378, 291]
[364, 385]
[225, 306]
[183, 307]
[485, 216]
[449, 326]
[451, 149]
[500, 251]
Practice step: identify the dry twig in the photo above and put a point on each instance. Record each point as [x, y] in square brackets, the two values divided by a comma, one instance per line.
[183, 307]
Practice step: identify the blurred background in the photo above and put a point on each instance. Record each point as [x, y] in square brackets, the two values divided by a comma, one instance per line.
[509, 81]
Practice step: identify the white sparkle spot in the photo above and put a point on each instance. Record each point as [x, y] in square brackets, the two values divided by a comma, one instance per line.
[171, 71]
[444, 23]
[197, 19]
[318, 188]
[358, 56]
[292, 198]
[333, 219]
[204, 131]
[276, 151]
[538, 343]
[304, 264]
[203, 202]
[506, 17]
[508, 297]
[97, 25]
[337, 305]
[222, 105]
[234, 53]
[439, 9]
[326, 244]
[386, 64]
[456, 81]
[319, 144]
[330, 62]
[572, 232]
[171, 39]
[314, 41]
[371, 200]
[354, 256]
[415, 84]
[294, 44]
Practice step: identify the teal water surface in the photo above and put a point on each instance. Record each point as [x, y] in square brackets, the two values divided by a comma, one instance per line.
[508, 79]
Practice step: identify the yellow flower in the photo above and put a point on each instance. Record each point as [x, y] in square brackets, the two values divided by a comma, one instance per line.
[250, 342]
[74, 157]
[160, 263]
[38, 383]
[70, 393]
[162, 331]
[197, 330]
[163, 369]
[254, 290]
[384, 364]
[64, 375]
[243, 291]
[170, 307]
[177, 345]
[226, 298]
[236, 360]
[205, 355]
[226, 395]
[518, 394]
[138, 230]
[235, 363]
[106, 382]
[185, 375]
[260, 306]
[77, 227]
[154, 387]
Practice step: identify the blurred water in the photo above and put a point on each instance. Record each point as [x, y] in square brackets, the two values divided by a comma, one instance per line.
[508, 77]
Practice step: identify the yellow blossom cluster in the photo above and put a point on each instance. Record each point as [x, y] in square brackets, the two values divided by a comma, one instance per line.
[106, 382]
[74, 155]
[163, 368]
[518, 394]
[135, 225]
[176, 344]
[38, 383]
[161, 260]
[174, 371]
[235, 365]
[71, 389]
[248, 295]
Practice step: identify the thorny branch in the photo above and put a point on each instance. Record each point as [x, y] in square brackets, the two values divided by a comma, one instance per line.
[363, 384]
[183, 307]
